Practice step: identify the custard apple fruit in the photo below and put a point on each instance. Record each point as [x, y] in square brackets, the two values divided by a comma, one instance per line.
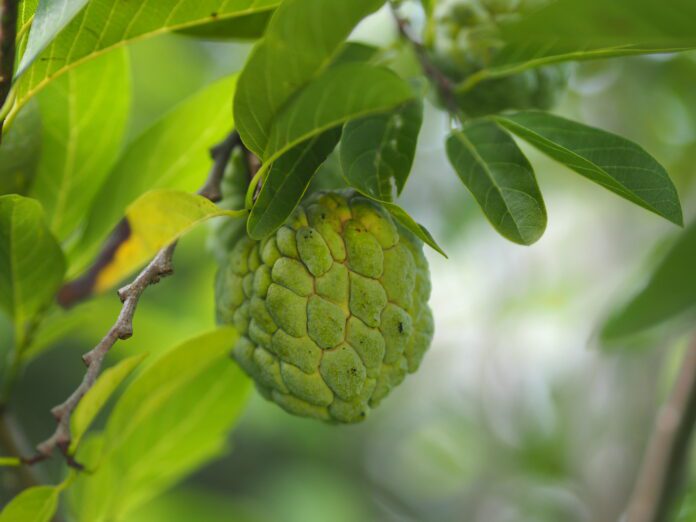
[331, 308]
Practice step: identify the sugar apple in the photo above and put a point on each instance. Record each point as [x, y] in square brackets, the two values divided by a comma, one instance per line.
[331, 308]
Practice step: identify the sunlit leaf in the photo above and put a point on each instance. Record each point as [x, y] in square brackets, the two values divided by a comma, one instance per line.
[31, 261]
[106, 24]
[377, 152]
[37, 504]
[499, 176]
[300, 41]
[95, 399]
[286, 181]
[173, 153]
[342, 93]
[50, 18]
[172, 418]
[670, 292]
[156, 219]
[613, 162]
[10, 462]
[82, 137]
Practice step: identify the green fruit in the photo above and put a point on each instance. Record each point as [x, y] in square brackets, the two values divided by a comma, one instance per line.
[331, 308]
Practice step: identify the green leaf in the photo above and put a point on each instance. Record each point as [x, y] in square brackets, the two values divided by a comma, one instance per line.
[31, 261]
[156, 219]
[50, 18]
[300, 41]
[81, 137]
[248, 27]
[173, 417]
[416, 228]
[37, 504]
[95, 399]
[19, 151]
[173, 153]
[670, 292]
[377, 152]
[106, 24]
[10, 462]
[286, 181]
[342, 93]
[613, 162]
[589, 29]
[499, 176]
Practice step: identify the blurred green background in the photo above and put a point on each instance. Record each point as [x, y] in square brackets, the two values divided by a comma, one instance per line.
[518, 412]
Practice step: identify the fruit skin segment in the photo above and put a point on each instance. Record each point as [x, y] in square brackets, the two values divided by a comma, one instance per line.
[332, 308]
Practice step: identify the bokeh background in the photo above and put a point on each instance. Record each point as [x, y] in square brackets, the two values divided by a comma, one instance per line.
[519, 412]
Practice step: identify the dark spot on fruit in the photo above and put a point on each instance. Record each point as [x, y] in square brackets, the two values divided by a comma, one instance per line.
[401, 327]
[213, 14]
[353, 371]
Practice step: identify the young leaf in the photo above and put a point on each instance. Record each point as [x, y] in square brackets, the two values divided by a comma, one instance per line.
[10, 462]
[342, 93]
[106, 24]
[31, 261]
[81, 137]
[156, 219]
[95, 399]
[50, 18]
[377, 152]
[499, 176]
[300, 41]
[670, 292]
[286, 181]
[37, 504]
[148, 162]
[614, 162]
[171, 419]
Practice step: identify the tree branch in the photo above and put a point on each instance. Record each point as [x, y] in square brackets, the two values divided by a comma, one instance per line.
[8, 34]
[667, 452]
[14, 442]
[159, 267]
[443, 84]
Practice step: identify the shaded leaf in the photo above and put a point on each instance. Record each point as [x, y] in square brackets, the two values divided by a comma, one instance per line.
[354, 52]
[567, 30]
[106, 24]
[342, 93]
[94, 400]
[156, 219]
[286, 181]
[670, 292]
[172, 153]
[31, 261]
[37, 504]
[499, 176]
[377, 152]
[173, 417]
[300, 41]
[416, 228]
[248, 27]
[50, 17]
[81, 137]
[613, 162]
[19, 151]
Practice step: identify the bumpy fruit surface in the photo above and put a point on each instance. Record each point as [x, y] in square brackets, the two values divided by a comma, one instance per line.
[332, 308]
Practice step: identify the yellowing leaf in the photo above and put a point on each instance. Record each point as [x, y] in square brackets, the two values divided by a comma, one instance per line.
[156, 219]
